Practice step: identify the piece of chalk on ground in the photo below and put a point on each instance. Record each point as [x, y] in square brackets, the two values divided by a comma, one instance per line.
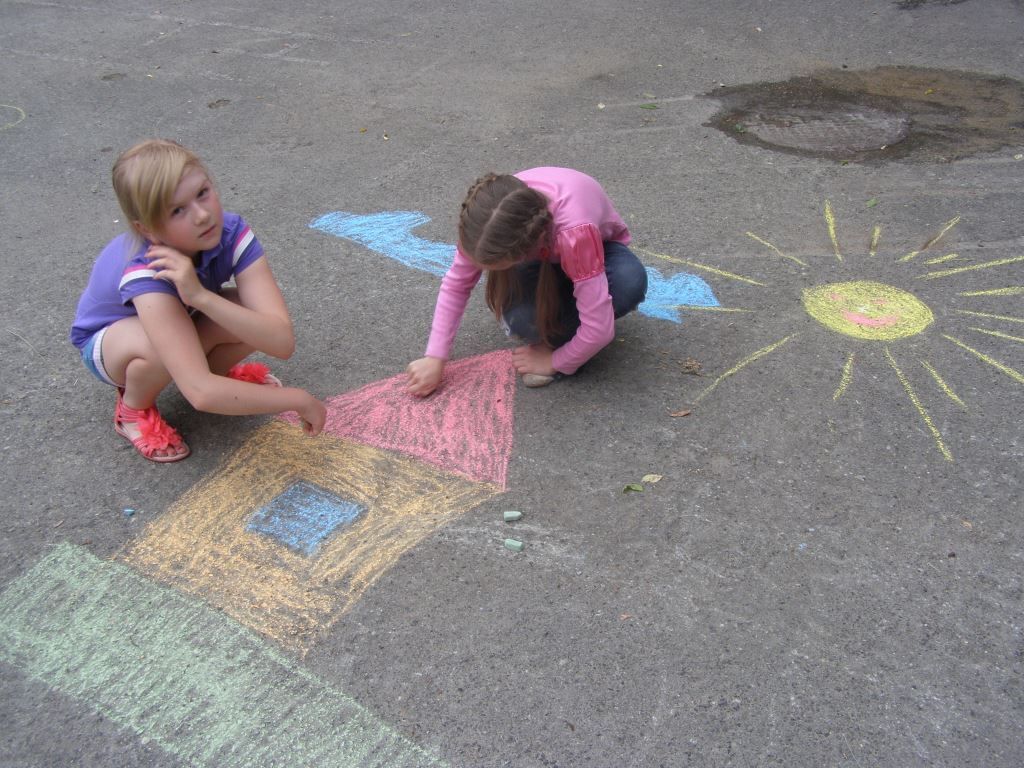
[512, 515]
[514, 544]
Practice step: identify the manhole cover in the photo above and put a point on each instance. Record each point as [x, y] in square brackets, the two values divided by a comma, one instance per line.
[843, 130]
[887, 113]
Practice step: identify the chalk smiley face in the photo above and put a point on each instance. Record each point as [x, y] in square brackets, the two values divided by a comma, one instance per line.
[867, 310]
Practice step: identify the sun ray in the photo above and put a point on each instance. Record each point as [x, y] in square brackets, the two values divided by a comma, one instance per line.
[876, 234]
[845, 379]
[1014, 290]
[705, 267]
[971, 268]
[945, 228]
[1000, 335]
[991, 316]
[830, 219]
[743, 363]
[943, 385]
[783, 255]
[689, 307]
[942, 259]
[1015, 375]
[948, 226]
[920, 408]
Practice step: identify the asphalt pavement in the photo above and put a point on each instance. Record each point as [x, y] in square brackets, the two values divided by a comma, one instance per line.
[777, 521]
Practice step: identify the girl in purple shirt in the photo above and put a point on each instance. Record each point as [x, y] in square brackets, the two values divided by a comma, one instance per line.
[155, 309]
[558, 273]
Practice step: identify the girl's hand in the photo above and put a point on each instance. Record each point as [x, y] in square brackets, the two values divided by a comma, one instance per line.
[177, 269]
[424, 375]
[535, 358]
[313, 416]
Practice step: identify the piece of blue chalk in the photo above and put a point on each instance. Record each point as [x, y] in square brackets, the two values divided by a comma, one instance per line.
[512, 515]
[514, 544]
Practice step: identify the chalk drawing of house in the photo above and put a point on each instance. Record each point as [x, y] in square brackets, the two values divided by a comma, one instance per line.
[290, 532]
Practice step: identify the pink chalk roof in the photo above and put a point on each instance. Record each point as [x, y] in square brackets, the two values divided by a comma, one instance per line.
[464, 427]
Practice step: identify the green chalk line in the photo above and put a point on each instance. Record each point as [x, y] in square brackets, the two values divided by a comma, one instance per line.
[181, 674]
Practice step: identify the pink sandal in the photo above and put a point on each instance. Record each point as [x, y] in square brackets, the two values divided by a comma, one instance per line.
[256, 373]
[155, 434]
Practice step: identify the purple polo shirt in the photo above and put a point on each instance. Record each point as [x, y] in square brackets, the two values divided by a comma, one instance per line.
[122, 272]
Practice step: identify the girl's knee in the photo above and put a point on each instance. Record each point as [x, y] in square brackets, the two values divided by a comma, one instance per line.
[125, 344]
[519, 321]
[148, 367]
[630, 288]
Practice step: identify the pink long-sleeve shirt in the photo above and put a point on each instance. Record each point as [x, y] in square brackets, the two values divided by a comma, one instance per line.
[582, 219]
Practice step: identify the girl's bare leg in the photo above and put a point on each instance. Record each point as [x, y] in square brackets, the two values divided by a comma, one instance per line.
[222, 349]
[131, 361]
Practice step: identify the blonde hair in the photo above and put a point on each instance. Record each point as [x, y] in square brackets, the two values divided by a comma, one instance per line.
[146, 176]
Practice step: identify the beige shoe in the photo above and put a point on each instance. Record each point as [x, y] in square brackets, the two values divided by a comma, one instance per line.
[537, 379]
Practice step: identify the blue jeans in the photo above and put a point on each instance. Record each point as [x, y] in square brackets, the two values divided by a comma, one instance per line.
[627, 284]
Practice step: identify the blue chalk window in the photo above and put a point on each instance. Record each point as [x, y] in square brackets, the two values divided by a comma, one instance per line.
[303, 516]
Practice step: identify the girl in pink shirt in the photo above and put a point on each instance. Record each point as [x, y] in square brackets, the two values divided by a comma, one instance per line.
[558, 273]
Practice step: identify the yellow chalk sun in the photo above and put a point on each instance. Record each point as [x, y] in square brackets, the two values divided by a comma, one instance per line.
[872, 311]
[867, 310]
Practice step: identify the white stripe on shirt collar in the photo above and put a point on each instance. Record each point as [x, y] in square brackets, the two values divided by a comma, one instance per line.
[241, 245]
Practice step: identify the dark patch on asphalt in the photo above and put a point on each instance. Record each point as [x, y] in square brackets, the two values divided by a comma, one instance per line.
[886, 113]
[909, 4]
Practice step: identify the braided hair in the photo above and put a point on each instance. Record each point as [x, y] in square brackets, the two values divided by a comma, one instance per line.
[503, 222]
